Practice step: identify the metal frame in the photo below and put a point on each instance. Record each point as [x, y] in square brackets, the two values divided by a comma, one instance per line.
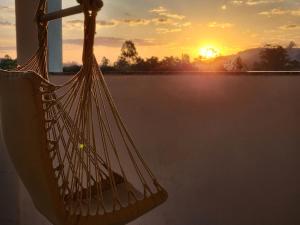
[62, 13]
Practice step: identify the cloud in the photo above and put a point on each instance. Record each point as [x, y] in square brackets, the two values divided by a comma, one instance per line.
[105, 23]
[259, 2]
[168, 30]
[290, 27]
[8, 9]
[7, 16]
[173, 16]
[146, 42]
[115, 22]
[135, 22]
[112, 41]
[7, 48]
[280, 12]
[155, 21]
[236, 2]
[73, 24]
[174, 25]
[159, 21]
[187, 24]
[174, 28]
[255, 2]
[295, 12]
[101, 23]
[161, 11]
[170, 22]
[175, 21]
[274, 12]
[220, 25]
[224, 7]
[4, 23]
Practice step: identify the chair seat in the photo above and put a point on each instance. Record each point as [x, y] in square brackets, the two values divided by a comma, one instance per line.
[122, 215]
[90, 203]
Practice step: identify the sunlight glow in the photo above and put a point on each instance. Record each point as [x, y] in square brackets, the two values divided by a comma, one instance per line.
[81, 146]
[209, 52]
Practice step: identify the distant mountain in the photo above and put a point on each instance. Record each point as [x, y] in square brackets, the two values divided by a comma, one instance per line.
[294, 54]
[250, 56]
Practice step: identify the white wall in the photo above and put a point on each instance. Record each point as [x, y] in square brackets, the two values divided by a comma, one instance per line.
[225, 147]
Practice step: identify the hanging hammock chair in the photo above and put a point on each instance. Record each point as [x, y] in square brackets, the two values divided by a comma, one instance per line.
[69, 144]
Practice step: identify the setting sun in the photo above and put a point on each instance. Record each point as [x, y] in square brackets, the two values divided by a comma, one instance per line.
[208, 52]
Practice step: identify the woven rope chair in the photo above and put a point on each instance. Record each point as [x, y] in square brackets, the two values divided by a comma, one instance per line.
[68, 143]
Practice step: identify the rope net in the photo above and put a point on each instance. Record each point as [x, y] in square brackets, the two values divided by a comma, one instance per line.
[97, 166]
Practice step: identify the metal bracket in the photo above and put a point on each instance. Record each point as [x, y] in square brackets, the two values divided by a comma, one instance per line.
[62, 13]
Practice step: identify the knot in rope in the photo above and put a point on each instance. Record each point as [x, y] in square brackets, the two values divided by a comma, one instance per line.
[91, 5]
[91, 8]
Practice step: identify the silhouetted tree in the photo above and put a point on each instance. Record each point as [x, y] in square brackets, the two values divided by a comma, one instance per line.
[170, 63]
[7, 63]
[237, 65]
[293, 65]
[129, 52]
[122, 64]
[185, 59]
[187, 64]
[291, 45]
[139, 65]
[105, 62]
[273, 57]
[198, 60]
[105, 65]
[153, 63]
[73, 68]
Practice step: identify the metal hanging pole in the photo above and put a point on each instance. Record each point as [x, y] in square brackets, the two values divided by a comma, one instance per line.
[68, 12]
[62, 13]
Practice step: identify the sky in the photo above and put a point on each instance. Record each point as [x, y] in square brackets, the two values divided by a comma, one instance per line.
[172, 28]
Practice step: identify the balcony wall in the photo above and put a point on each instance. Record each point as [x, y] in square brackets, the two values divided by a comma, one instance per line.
[225, 147]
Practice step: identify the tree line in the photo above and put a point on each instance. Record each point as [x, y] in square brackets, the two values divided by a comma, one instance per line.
[276, 58]
[271, 58]
[130, 61]
[7, 63]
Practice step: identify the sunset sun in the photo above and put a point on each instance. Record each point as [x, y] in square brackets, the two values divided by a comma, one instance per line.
[208, 52]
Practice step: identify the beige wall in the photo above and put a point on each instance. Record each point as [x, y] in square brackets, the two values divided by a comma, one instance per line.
[225, 147]
[26, 30]
[9, 190]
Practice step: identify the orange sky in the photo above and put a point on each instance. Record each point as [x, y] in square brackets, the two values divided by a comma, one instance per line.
[163, 27]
